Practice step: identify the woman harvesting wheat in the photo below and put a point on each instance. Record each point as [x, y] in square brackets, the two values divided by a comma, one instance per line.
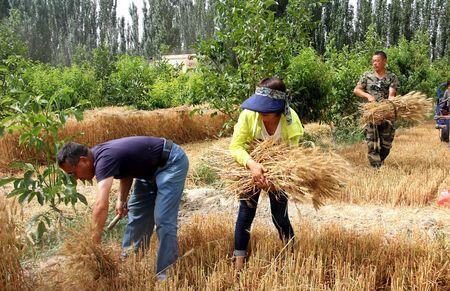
[266, 115]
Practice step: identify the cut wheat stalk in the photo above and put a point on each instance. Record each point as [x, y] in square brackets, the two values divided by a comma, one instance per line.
[414, 106]
[11, 272]
[88, 264]
[302, 174]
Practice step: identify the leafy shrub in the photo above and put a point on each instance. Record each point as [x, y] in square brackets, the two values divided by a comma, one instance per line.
[192, 91]
[409, 60]
[68, 86]
[309, 78]
[37, 121]
[161, 94]
[224, 91]
[133, 78]
[348, 66]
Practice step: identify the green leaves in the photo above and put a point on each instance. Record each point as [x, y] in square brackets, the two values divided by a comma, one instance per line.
[5, 181]
[82, 199]
[309, 78]
[252, 44]
[38, 121]
[41, 229]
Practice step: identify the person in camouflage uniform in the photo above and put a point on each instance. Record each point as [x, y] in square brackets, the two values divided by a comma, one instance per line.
[376, 86]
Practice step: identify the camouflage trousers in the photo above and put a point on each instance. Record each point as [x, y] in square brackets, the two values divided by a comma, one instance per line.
[379, 142]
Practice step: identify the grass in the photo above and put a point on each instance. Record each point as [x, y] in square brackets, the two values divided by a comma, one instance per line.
[204, 175]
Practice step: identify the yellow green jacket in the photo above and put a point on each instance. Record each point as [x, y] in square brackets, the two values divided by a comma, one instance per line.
[249, 126]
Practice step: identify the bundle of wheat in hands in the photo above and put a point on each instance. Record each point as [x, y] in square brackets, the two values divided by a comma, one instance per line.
[413, 106]
[304, 174]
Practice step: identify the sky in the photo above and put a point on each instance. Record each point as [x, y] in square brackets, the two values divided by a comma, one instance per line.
[124, 5]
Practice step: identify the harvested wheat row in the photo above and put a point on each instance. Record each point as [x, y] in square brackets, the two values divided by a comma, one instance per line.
[103, 124]
[414, 106]
[413, 174]
[178, 124]
[303, 174]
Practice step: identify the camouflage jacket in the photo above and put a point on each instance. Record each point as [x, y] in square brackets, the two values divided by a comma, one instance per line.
[379, 88]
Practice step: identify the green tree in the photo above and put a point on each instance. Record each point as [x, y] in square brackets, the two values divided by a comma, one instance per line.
[4, 9]
[122, 36]
[251, 43]
[363, 18]
[10, 43]
[394, 22]
[380, 18]
[310, 81]
[135, 46]
[37, 121]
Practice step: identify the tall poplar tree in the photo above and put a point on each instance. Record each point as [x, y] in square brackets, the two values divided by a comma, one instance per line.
[394, 22]
[406, 9]
[4, 9]
[363, 18]
[135, 46]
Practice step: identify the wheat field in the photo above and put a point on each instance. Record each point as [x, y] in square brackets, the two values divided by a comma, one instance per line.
[329, 258]
[324, 256]
[103, 124]
[416, 169]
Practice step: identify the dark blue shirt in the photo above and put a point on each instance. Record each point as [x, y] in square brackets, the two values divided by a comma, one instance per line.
[128, 157]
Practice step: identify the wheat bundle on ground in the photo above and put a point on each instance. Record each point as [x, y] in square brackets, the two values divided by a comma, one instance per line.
[303, 174]
[90, 265]
[414, 106]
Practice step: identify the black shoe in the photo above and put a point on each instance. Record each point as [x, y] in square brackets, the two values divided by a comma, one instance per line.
[376, 166]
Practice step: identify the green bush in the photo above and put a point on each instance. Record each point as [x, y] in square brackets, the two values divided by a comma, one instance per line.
[69, 86]
[310, 78]
[129, 83]
[223, 91]
[133, 80]
[192, 91]
[185, 89]
[161, 94]
[348, 66]
[409, 61]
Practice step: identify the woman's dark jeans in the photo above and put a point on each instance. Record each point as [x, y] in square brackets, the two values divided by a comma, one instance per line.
[247, 211]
